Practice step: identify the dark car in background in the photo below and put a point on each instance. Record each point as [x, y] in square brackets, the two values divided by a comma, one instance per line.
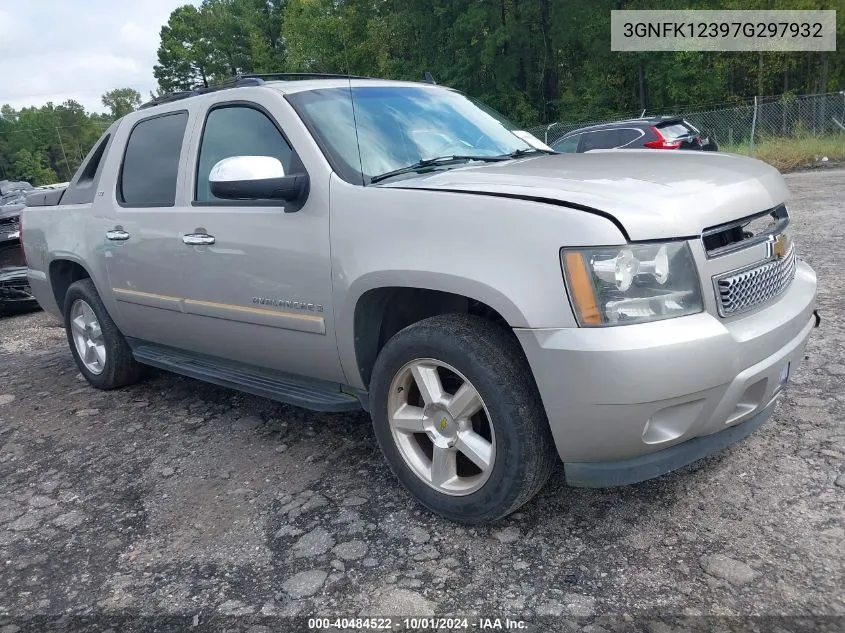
[644, 133]
[15, 295]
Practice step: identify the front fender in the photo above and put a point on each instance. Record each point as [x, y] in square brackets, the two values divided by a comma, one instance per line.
[502, 252]
[423, 280]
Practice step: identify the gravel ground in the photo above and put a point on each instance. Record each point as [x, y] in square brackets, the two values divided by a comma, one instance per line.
[219, 510]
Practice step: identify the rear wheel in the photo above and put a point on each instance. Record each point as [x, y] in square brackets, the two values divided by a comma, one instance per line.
[459, 418]
[98, 347]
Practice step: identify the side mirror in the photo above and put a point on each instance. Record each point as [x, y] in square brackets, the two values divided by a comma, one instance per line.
[255, 178]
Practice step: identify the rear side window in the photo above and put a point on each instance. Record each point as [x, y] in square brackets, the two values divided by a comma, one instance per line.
[602, 139]
[90, 169]
[627, 135]
[151, 162]
[237, 130]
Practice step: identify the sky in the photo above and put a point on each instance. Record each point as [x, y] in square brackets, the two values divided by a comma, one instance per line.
[55, 50]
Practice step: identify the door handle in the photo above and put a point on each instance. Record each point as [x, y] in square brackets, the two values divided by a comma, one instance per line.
[117, 235]
[198, 239]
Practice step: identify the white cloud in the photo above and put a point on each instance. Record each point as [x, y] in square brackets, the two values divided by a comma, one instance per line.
[55, 50]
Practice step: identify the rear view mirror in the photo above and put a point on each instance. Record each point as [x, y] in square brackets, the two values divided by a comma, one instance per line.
[255, 178]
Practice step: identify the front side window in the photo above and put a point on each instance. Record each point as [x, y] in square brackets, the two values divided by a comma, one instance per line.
[568, 144]
[237, 130]
[151, 162]
[398, 126]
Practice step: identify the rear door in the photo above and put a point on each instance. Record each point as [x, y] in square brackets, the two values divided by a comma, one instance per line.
[629, 137]
[259, 291]
[140, 233]
[600, 139]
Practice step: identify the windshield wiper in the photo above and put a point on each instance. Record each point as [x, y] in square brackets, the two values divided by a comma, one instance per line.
[528, 150]
[435, 162]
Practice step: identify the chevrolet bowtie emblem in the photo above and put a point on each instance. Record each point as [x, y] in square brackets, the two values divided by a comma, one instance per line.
[780, 246]
[443, 424]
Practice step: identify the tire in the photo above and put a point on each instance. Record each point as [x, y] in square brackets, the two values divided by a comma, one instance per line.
[119, 368]
[519, 447]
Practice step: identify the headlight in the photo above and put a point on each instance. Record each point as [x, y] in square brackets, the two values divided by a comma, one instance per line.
[636, 283]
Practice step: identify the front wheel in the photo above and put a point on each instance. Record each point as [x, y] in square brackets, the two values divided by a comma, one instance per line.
[459, 418]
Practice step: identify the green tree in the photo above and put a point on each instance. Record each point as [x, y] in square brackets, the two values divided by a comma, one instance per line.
[121, 101]
[218, 40]
[47, 144]
[31, 167]
[535, 60]
[184, 56]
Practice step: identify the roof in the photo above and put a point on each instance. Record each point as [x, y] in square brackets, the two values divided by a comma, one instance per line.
[651, 120]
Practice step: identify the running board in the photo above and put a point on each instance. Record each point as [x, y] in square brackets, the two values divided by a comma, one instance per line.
[309, 394]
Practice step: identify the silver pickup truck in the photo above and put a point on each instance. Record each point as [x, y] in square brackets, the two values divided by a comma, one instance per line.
[339, 243]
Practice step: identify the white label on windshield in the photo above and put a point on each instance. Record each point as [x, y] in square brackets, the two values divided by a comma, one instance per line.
[532, 140]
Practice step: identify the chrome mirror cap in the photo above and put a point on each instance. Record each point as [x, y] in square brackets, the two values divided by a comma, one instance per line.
[246, 168]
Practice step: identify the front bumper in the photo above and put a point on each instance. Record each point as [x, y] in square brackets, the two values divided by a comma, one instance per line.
[616, 394]
[636, 469]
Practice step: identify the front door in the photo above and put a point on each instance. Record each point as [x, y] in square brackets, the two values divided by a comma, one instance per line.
[258, 280]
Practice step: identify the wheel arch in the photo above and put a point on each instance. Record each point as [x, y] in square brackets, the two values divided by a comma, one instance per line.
[381, 311]
[62, 272]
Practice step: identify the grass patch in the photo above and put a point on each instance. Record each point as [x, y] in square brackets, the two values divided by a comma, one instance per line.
[788, 154]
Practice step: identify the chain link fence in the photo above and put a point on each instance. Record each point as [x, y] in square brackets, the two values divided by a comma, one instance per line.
[742, 125]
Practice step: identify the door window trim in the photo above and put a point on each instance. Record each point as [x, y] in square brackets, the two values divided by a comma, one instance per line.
[566, 137]
[118, 191]
[587, 133]
[639, 131]
[240, 203]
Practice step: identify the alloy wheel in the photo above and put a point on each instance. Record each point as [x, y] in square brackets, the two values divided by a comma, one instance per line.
[441, 427]
[88, 336]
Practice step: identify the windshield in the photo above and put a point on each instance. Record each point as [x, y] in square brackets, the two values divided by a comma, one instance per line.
[400, 126]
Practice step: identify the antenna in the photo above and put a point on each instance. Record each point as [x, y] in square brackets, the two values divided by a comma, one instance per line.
[429, 79]
[643, 113]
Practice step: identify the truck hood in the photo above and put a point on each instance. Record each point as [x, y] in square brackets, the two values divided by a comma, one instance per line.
[653, 194]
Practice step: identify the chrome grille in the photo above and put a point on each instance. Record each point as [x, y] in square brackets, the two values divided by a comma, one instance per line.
[740, 291]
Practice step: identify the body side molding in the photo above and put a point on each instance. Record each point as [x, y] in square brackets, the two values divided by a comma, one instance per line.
[283, 319]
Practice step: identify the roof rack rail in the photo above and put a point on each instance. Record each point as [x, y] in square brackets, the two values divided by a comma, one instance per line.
[300, 76]
[242, 80]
